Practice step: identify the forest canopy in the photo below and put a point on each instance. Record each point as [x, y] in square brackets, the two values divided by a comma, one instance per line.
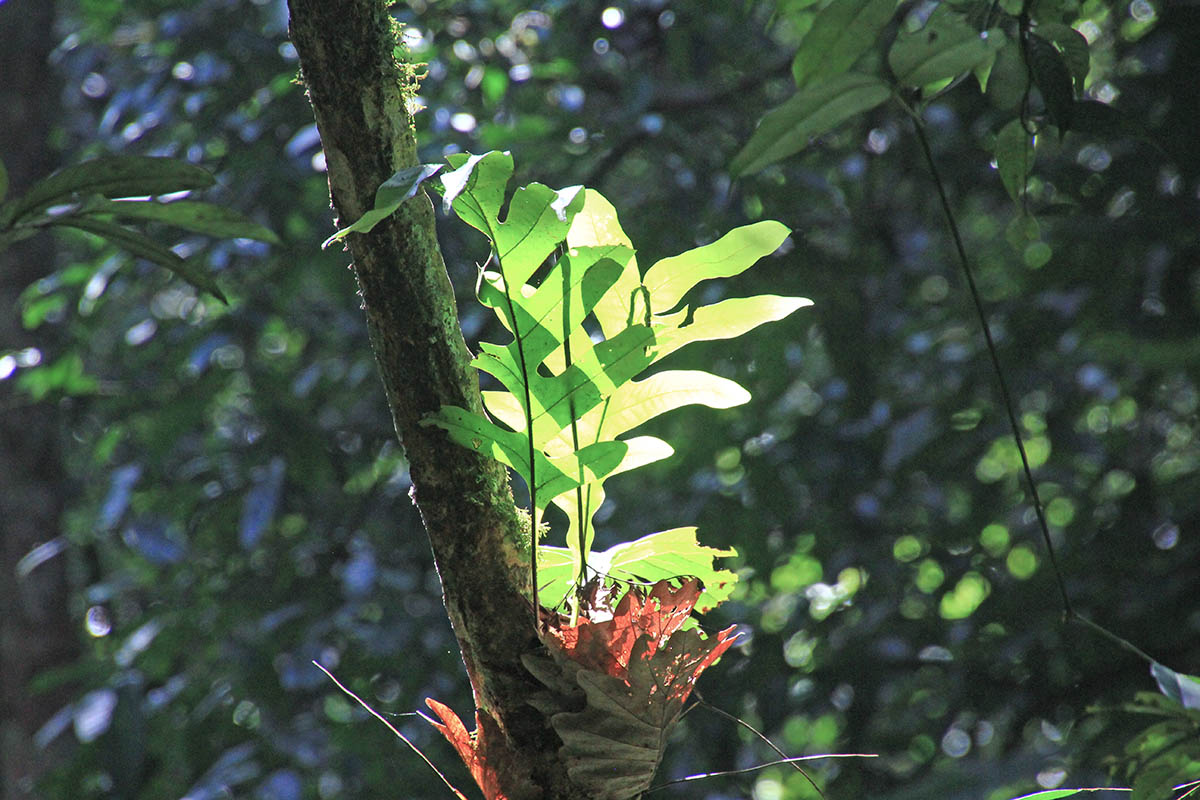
[203, 491]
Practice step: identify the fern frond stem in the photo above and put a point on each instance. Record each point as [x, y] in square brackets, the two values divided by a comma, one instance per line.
[534, 520]
[565, 269]
[1005, 394]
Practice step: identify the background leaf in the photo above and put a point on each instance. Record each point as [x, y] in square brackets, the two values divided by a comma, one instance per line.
[1014, 158]
[114, 176]
[841, 33]
[945, 47]
[812, 111]
[1053, 79]
[144, 247]
[1183, 689]
[191, 215]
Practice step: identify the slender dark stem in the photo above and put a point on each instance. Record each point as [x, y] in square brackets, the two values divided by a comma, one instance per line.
[1069, 613]
[1005, 395]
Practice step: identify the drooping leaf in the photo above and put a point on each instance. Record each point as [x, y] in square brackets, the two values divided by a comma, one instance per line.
[144, 247]
[1008, 79]
[112, 176]
[388, 197]
[812, 111]
[1183, 689]
[945, 47]
[841, 33]
[1014, 158]
[1053, 79]
[1074, 47]
[191, 215]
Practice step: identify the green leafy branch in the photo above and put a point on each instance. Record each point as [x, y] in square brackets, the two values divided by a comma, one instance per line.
[85, 197]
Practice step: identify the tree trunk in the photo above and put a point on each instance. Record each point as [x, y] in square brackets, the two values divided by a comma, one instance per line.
[36, 632]
[358, 92]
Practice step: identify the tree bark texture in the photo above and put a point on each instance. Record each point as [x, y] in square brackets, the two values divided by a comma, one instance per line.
[357, 90]
[36, 631]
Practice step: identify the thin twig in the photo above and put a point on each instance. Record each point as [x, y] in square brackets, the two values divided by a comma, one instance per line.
[757, 767]
[1069, 612]
[392, 728]
[701, 701]
[1005, 395]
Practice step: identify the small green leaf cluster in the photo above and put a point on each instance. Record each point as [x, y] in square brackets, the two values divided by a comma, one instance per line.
[563, 278]
[88, 197]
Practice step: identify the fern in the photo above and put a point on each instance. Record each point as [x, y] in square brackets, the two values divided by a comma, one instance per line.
[559, 258]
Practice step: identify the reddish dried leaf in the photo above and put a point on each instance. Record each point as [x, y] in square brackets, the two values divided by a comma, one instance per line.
[636, 669]
[486, 756]
[605, 644]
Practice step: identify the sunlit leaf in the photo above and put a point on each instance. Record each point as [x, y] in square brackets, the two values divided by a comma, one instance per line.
[735, 252]
[512, 449]
[726, 319]
[811, 112]
[654, 557]
[569, 393]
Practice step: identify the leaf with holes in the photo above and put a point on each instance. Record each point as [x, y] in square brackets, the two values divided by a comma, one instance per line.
[559, 260]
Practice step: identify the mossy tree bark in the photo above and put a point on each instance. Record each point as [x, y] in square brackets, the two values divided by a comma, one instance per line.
[37, 632]
[357, 90]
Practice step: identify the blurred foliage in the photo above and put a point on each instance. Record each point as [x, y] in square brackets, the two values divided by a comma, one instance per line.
[239, 498]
